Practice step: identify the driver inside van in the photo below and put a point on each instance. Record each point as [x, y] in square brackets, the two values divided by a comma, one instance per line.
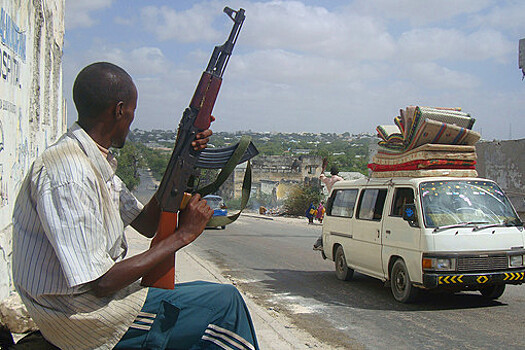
[403, 196]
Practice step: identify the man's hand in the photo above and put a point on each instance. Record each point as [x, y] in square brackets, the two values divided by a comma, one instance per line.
[193, 219]
[202, 138]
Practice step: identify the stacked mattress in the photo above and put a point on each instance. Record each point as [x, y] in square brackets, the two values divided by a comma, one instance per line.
[427, 141]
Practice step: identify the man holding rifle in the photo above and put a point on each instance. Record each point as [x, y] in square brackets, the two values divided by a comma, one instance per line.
[69, 247]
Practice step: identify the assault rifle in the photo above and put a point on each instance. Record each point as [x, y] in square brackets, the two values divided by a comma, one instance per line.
[181, 177]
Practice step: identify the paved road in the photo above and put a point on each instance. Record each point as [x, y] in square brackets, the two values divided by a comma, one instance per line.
[274, 262]
[147, 186]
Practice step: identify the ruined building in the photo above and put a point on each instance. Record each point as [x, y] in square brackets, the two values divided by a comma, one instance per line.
[275, 175]
[503, 162]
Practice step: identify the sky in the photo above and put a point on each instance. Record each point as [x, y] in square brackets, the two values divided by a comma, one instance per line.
[310, 66]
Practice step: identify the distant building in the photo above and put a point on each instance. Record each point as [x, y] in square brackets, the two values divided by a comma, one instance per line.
[504, 162]
[275, 175]
[301, 151]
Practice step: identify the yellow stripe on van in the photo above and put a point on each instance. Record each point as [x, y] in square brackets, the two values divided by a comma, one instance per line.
[450, 279]
[514, 276]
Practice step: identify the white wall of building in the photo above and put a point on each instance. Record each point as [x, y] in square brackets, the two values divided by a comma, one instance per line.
[32, 110]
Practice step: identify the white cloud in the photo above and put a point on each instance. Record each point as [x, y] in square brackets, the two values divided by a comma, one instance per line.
[434, 76]
[431, 44]
[506, 15]
[291, 69]
[315, 30]
[78, 12]
[298, 67]
[194, 24]
[417, 12]
[124, 21]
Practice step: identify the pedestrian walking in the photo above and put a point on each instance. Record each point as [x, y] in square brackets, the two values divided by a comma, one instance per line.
[311, 212]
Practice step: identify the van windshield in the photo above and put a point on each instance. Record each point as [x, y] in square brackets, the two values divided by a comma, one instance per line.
[455, 202]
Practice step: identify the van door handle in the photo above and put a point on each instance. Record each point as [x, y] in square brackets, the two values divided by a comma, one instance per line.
[378, 233]
[387, 232]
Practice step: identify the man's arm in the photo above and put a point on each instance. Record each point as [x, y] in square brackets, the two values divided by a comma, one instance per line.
[192, 221]
[147, 221]
[324, 179]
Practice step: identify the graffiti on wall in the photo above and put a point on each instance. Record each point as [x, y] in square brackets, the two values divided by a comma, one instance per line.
[13, 50]
[13, 41]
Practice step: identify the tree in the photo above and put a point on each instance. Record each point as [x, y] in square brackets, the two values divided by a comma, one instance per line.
[300, 198]
[157, 161]
[129, 161]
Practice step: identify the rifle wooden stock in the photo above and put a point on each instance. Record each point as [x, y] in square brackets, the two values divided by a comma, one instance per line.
[163, 275]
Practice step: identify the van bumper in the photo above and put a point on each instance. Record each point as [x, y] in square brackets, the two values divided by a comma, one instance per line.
[452, 280]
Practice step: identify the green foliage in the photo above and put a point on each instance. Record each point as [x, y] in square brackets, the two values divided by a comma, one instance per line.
[255, 201]
[157, 161]
[208, 176]
[235, 204]
[129, 161]
[271, 148]
[300, 198]
[346, 156]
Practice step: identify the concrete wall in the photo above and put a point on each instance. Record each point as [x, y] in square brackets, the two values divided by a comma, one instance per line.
[504, 162]
[32, 112]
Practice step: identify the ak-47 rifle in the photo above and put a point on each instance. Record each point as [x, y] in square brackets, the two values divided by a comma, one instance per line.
[180, 178]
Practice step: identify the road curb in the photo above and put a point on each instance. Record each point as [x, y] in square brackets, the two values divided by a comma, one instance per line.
[256, 216]
[281, 331]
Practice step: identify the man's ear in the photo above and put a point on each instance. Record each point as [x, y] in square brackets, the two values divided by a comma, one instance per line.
[119, 110]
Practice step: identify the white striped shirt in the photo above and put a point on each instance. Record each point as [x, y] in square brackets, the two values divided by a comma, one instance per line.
[68, 230]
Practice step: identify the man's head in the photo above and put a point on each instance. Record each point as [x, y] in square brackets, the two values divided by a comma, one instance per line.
[104, 94]
[334, 170]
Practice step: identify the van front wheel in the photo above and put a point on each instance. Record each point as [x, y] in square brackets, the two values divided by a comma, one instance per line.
[493, 292]
[400, 284]
[342, 271]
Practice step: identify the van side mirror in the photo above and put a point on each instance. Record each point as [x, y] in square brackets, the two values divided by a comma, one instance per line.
[410, 214]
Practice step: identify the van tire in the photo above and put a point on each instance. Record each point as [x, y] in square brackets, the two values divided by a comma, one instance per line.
[400, 283]
[492, 292]
[342, 271]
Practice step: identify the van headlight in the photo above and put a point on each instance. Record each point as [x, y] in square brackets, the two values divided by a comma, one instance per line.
[516, 261]
[439, 264]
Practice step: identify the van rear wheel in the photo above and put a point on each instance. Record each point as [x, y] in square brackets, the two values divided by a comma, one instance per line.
[400, 284]
[342, 271]
[492, 292]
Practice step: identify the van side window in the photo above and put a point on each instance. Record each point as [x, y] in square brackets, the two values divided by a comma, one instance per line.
[402, 196]
[342, 202]
[371, 204]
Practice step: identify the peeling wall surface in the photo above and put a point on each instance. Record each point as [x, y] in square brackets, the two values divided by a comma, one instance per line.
[32, 112]
[504, 162]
